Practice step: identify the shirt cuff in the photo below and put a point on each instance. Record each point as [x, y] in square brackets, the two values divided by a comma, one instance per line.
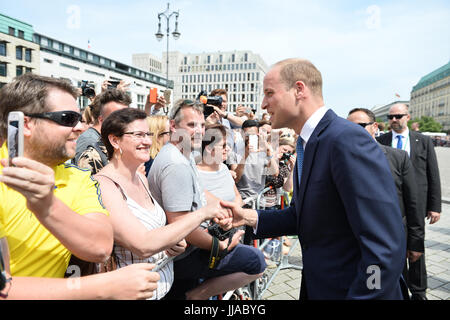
[255, 229]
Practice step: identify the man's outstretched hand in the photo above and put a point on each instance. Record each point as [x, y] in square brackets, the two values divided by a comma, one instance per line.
[240, 216]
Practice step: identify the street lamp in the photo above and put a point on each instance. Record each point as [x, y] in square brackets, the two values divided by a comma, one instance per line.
[159, 35]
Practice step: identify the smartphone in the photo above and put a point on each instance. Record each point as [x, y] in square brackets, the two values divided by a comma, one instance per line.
[153, 95]
[162, 263]
[167, 93]
[15, 135]
[253, 142]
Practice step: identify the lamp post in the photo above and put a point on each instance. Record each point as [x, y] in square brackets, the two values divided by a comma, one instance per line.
[159, 35]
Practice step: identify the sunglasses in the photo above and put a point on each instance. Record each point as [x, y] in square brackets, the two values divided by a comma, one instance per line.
[163, 133]
[63, 118]
[182, 104]
[365, 124]
[396, 116]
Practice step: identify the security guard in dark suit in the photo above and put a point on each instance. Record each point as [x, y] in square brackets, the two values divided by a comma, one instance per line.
[404, 178]
[423, 158]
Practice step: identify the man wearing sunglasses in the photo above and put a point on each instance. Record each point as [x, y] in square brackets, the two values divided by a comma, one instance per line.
[423, 158]
[49, 209]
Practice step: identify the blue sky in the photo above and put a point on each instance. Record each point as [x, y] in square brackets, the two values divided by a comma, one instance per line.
[367, 51]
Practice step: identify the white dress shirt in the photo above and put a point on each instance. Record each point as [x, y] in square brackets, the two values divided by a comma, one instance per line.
[405, 140]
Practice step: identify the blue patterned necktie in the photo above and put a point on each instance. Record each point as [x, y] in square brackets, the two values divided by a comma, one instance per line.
[300, 152]
[399, 143]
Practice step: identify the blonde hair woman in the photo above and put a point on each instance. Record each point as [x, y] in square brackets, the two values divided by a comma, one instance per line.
[159, 125]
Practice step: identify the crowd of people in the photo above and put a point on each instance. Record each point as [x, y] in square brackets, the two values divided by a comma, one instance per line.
[136, 204]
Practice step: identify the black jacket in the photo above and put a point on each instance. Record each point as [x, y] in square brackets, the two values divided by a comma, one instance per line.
[405, 182]
[426, 170]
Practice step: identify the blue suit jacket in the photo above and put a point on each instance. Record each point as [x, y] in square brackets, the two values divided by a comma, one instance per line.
[346, 214]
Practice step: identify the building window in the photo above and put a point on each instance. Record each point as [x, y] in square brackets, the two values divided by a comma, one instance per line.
[19, 53]
[245, 57]
[28, 70]
[140, 102]
[44, 42]
[2, 48]
[28, 55]
[3, 69]
[68, 66]
[232, 57]
[21, 34]
[19, 71]
[11, 31]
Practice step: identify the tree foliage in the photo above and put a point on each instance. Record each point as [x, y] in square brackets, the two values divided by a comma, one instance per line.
[427, 124]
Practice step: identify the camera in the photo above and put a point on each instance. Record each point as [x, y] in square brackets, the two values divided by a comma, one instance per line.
[113, 84]
[87, 89]
[208, 102]
[285, 157]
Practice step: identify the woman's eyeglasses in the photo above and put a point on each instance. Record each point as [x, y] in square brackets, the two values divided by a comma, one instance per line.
[140, 134]
[63, 118]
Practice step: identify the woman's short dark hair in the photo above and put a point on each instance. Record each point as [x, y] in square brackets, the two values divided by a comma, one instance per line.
[116, 124]
[210, 137]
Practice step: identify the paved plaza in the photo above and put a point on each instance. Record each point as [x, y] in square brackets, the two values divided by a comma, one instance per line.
[286, 284]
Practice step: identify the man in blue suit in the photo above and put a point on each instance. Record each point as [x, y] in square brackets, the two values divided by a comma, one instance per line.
[350, 229]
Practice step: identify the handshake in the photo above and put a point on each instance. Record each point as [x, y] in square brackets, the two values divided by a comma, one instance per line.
[230, 214]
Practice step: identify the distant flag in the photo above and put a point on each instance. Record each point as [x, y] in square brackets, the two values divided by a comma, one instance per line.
[89, 44]
[397, 95]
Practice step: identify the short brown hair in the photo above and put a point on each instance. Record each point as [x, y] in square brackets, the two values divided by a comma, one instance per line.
[106, 96]
[28, 93]
[293, 70]
[209, 139]
[219, 92]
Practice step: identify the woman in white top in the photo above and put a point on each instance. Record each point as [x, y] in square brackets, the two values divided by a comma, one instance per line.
[214, 174]
[140, 230]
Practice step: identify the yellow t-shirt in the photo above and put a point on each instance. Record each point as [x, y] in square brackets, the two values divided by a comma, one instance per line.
[2, 232]
[34, 251]
[4, 152]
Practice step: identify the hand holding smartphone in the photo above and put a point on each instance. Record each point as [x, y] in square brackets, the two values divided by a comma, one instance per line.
[167, 93]
[153, 98]
[15, 135]
[253, 142]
